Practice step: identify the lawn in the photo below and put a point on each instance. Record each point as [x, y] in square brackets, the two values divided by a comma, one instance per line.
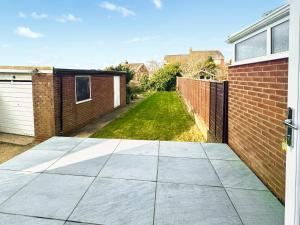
[160, 116]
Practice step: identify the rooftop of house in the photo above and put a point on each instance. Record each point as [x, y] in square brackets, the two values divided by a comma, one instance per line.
[200, 55]
[135, 66]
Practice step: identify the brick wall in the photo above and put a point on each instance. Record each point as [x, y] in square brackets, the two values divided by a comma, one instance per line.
[78, 115]
[43, 106]
[257, 108]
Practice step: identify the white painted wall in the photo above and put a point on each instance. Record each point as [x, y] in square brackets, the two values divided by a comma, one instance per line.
[16, 108]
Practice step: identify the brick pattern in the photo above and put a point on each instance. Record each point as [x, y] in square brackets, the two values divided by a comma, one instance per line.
[257, 108]
[43, 106]
[78, 115]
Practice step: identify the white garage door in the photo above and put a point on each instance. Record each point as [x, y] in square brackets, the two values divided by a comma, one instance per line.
[16, 108]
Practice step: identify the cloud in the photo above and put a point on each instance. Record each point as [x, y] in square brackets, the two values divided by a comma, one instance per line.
[22, 15]
[68, 18]
[27, 32]
[139, 39]
[38, 16]
[116, 8]
[157, 3]
[4, 45]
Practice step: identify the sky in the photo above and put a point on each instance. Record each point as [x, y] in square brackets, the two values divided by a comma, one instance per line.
[96, 33]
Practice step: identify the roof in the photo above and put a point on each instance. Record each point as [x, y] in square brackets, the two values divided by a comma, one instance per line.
[268, 18]
[195, 55]
[135, 66]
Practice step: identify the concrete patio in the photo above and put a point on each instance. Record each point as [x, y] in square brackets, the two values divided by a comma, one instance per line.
[118, 182]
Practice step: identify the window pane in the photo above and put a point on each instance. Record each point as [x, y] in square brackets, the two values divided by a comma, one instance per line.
[280, 38]
[82, 88]
[253, 47]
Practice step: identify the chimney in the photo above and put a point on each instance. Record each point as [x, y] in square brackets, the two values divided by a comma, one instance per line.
[191, 50]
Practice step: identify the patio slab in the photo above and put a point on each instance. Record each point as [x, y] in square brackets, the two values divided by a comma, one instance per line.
[219, 151]
[49, 195]
[135, 167]
[13, 181]
[32, 161]
[187, 171]
[181, 149]
[138, 147]
[257, 207]
[179, 204]
[117, 202]
[108, 182]
[63, 144]
[236, 174]
[7, 219]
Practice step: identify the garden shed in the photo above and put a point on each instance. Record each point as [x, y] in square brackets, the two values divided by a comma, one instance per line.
[47, 101]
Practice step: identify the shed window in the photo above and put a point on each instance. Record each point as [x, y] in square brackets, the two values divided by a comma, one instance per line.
[252, 47]
[83, 88]
[280, 38]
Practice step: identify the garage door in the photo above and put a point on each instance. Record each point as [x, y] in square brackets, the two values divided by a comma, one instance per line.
[16, 108]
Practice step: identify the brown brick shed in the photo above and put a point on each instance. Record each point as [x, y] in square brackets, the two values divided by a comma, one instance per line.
[47, 101]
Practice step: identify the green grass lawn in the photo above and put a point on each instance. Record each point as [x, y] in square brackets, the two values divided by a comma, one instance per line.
[160, 116]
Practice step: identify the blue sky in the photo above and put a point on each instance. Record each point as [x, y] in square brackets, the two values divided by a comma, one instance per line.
[96, 33]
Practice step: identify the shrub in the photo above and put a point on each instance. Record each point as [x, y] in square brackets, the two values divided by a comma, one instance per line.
[164, 79]
[145, 82]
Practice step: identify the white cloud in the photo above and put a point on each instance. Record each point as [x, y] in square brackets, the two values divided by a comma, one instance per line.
[27, 32]
[68, 18]
[22, 15]
[38, 16]
[157, 3]
[139, 39]
[116, 8]
[4, 46]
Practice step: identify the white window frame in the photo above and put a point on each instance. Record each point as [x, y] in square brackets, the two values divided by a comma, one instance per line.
[90, 82]
[269, 56]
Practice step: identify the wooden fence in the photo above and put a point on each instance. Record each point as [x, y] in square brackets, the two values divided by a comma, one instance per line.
[207, 101]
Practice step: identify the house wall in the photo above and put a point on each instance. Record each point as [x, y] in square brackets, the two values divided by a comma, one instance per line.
[43, 106]
[78, 115]
[257, 108]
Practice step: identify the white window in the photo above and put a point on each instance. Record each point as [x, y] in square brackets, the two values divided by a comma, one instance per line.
[82, 88]
[252, 47]
[280, 38]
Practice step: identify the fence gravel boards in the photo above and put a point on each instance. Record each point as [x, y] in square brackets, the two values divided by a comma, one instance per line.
[207, 101]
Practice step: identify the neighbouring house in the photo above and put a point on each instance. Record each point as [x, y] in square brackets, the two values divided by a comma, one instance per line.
[258, 90]
[47, 101]
[196, 57]
[139, 70]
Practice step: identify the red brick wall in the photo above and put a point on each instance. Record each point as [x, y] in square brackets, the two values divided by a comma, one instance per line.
[196, 94]
[257, 108]
[43, 106]
[78, 115]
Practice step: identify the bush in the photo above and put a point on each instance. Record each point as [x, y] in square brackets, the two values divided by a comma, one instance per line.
[145, 82]
[164, 79]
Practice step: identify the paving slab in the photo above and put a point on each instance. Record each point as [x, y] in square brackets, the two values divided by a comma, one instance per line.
[13, 181]
[49, 195]
[32, 161]
[63, 144]
[117, 202]
[187, 171]
[87, 159]
[257, 207]
[219, 151]
[181, 149]
[138, 147]
[236, 174]
[136, 167]
[179, 204]
[7, 219]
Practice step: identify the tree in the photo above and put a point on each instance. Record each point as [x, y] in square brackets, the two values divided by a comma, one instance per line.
[123, 68]
[164, 79]
[208, 69]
